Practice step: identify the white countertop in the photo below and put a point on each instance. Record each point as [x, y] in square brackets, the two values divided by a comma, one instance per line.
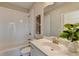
[45, 46]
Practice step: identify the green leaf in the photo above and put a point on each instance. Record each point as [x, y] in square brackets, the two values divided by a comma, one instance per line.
[76, 25]
[64, 34]
[68, 26]
[74, 39]
[77, 33]
[71, 33]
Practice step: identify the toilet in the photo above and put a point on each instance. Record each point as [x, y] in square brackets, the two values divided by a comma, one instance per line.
[25, 51]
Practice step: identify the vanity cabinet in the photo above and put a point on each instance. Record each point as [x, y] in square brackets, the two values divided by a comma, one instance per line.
[36, 52]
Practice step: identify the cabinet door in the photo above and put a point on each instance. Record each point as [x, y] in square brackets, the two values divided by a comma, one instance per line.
[36, 52]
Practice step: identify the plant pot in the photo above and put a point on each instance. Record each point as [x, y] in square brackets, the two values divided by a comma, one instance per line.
[73, 47]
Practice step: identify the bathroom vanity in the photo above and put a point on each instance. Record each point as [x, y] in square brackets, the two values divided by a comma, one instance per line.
[45, 47]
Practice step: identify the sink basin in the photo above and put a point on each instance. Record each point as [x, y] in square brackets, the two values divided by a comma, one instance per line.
[54, 47]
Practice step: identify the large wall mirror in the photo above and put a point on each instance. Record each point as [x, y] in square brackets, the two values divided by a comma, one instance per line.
[38, 24]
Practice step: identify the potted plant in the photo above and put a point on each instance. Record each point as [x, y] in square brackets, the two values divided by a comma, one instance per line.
[71, 33]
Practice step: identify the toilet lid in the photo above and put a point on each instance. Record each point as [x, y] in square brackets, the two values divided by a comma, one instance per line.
[26, 50]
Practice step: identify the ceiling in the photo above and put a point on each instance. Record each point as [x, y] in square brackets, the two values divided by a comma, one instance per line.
[53, 6]
[26, 5]
[20, 6]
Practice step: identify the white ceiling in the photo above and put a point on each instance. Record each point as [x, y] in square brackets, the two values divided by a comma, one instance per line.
[26, 5]
[53, 6]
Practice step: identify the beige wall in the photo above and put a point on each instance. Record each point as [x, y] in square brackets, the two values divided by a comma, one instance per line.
[10, 14]
[57, 16]
[12, 30]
